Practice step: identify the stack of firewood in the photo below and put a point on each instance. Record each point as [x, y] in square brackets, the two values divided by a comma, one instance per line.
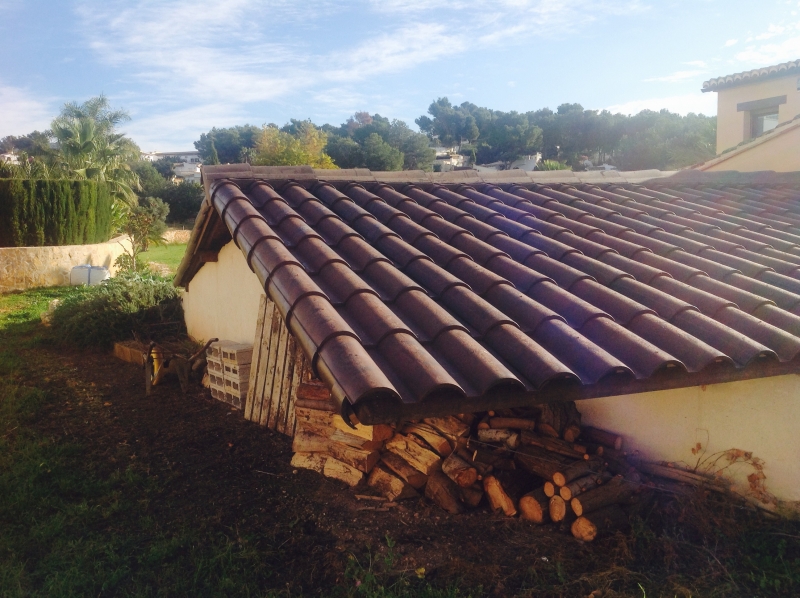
[539, 463]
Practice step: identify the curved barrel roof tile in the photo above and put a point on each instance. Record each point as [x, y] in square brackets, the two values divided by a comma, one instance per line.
[414, 296]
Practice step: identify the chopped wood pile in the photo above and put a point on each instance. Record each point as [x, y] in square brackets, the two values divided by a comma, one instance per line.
[539, 463]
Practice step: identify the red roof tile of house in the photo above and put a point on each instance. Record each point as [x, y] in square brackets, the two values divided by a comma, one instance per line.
[419, 297]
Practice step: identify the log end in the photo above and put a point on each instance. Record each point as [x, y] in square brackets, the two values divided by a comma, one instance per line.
[583, 529]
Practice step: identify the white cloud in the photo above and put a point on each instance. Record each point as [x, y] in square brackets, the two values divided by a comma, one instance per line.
[699, 103]
[731, 42]
[242, 53]
[700, 64]
[23, 112]
[677, 77]
[784, 46]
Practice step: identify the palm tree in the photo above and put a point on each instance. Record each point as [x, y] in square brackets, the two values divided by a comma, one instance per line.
[90, 148]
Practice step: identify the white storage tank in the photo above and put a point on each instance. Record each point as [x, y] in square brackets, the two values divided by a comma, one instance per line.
[87, 274]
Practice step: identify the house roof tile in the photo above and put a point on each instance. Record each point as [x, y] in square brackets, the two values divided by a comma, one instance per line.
[753, 75]
[413, 295]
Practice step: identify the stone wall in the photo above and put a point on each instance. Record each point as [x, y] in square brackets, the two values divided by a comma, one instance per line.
[27, 267]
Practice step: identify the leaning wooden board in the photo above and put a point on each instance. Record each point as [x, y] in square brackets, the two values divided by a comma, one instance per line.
[278, 368]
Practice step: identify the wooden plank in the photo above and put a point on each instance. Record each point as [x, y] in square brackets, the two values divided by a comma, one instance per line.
[251, 390]
[297, 377]
[286, 383]
[263, 362]
[269, 372]
[277, 381]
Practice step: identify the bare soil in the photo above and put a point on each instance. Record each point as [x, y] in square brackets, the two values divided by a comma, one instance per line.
[216, 469]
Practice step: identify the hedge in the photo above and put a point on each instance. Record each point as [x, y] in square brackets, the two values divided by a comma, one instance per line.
[43, 212]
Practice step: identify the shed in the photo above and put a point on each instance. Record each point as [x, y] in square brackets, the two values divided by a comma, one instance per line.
[669, 306]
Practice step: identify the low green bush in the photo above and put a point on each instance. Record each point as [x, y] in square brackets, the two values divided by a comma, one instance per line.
[34, 213]
[131, 304]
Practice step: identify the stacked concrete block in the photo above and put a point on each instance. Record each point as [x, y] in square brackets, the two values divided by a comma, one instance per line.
[229, 371]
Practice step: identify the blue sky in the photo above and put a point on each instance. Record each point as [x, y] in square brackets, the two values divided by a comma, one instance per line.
[180, 68]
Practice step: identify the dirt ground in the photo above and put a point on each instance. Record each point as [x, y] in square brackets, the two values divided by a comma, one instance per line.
[217, 469]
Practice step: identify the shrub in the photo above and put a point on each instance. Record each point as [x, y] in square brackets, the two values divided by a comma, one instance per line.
[54, 212]
[132, 304]
[144, 224]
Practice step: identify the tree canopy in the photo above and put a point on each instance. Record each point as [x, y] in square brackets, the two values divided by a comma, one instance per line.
[299, 142]
[649, 139]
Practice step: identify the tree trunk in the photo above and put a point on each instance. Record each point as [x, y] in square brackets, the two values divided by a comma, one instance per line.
[498, 499]
[472, 495]
[342, 472]
[515, 423]
[568, 449]
[603, 437]
[575, 470]
[579, 486]
[506, 437]
[534, 506]
[559, 420]
[421, 459]
[557, 508]
[431, 436]
[616, 491]
[539, 462]
[402, 468]
[443, 491]
[549, 489]
[390, 485]
[600, 522]
[458, 470]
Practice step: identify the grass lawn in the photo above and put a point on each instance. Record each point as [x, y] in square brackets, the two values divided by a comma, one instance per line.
[104, 492]
[171, 255]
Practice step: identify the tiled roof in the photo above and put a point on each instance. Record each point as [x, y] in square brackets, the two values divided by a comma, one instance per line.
[420, 297]
[745, 77]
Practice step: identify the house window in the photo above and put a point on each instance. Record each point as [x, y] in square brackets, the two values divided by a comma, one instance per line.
[763, 121]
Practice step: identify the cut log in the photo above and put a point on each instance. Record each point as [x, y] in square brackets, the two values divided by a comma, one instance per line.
[356, 441]
[444, 492]
[616, 491]
[449, 426]
[539, 462]
[535, 506]
[470, 457]
[498, 499]
[429, 434]
[600, 522]
[484, 423]
[579, 486]
[466, 418]
[555, 445]
[472, 495]
[506, 437]
[514, 423]
[550, 489]
[576, 470]
[681, 475]
[557, 508]
[326, 407]
[559, 420]
[603, 437]
[390, 485]
[311, 391]
[362, 460]
[460, 471]
[402, 468]
[312, 461]
[421, 459]
[342, 471]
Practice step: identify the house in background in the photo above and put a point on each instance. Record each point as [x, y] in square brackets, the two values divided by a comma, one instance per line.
[756, 126]
[185, 167]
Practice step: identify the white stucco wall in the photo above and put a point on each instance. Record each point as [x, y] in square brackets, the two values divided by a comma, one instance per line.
[752, 415]
[223, 298]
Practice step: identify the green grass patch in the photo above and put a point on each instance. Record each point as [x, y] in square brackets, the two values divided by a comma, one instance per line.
[171, 255]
